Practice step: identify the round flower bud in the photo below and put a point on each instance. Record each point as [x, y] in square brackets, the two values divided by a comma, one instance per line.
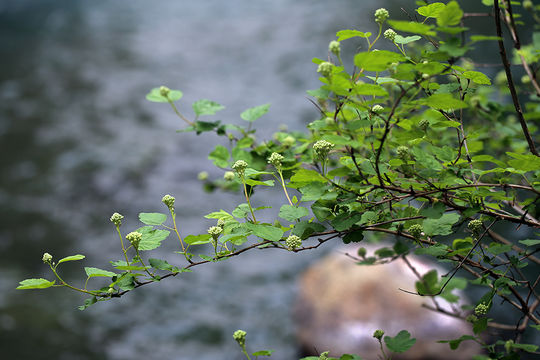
[322, 148]
[362, 252]
[169, 201]
[509, 345]
[116, 219]
[275, 159]
[381, 15]
[527, 4]
[390, 35]
[164, 91]
[215, 231]
[325, 68]
[324, 355]
[329, 121]
[471, 318]
[229, 175]
[293, 242]
[402, 151]
[416, 231]
[110, 290]
[240, 337]
[221, 223]
[476, 227]
[240, 167]
[525, 79]
[481, 309]
[377, 108]
[334, 47]
[203, 175]
[47, 258]
[134, 238]
[425, 76]
[289, 141]
[378, 334]
[423, 124]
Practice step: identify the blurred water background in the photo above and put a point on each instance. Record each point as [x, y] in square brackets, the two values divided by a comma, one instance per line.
[78, 141]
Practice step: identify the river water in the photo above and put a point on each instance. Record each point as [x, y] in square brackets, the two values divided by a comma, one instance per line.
[79, 141]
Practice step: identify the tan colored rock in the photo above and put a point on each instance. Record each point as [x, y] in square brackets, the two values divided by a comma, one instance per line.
[341, 304]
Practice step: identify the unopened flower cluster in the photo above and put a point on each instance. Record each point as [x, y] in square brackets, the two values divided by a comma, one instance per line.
[481, 309]
[378, 334]
[381, 15]
[423, 124]
[334, 47]
[476, 227]
[116, 219]
[215, 231]
[390, 34]
[402, 151]
[164, 91]
[240, 337]
[240, 167]
[169, 201]
[377, 108]
[229, 175]
[322, 148]
[134, 238]
[47, 258]
[275, 159]
[325, 68]
[293, 242]
[416, 231]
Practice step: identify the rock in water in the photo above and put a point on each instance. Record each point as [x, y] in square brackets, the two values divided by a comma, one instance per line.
[341, 304]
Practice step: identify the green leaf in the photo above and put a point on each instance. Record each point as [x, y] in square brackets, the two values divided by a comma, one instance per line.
[477, 77]
[197, 239]
[526, 162]
[254, 113]
[152, 218]
[443, 102]
[162, 265]
[434, 212]
[263, 353]
[450, 15]
[454, 344]
[480, 325]
[267, 232]
[35, 284]
[350, 357]
[151, 238]
[441, 226]
[347, 34]
[428, 284]
[353, 237]
[93, 272]
[431, 10]
[497, 249]
[155, 96]
[412, 27]
[400, 343]
[345, 220]
[292, 213]
[406, 39]
[433, 250]
[525, 347]
[221, 214]
[307, 176]
[530, 242]
[220, 156]
[206, 107]
[370, 89]
[87, 303]
[304, 229]
[71, 258]
[377, 60]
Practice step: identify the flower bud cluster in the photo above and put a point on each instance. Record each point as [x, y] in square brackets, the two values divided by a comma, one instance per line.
[134, 238]
[221, 223]
[334, 47]
[240, 167]
[377, 108]
[240, 337]
[381, 15]
[47, 258]
[116, 219]
[324, 355]
[416, 231]
[322, 148]
[423, 124]
[378, 334]
[168, 200]
[215, 231]
[390, 35]
[164, 91]
[476, 227]
[202, 176]
[275, 159]
[325, 68]
[402, 151]
[293, 242]
[481, 309]
[289, 141]
[229, 175]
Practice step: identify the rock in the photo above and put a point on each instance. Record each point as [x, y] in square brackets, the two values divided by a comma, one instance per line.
[341, 304]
